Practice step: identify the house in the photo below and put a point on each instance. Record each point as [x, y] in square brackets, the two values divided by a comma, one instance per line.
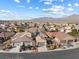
[68, 29]
[17, 35]
[25, 39]
[20, 38]
[6, 35]
[61, 37]
[62, 30]
[40, 40]
[32, 29]
[3, 26]
[28, 33]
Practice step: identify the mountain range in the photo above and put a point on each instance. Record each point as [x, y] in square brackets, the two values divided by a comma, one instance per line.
[71, 19]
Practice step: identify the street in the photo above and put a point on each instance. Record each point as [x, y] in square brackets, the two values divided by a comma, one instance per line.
[67, 54]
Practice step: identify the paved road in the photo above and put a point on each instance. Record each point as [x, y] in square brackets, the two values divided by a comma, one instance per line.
[68, 54]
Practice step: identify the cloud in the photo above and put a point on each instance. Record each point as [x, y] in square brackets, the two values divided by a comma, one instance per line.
[28, 1]
[46, 2]
[44, 9]
[69, 5]
[17, 1]
[55, 9]
[70, 9]
[59, 9]
[7, 14]
[30, 7]
[62, 0]
[76, 4]
[21, 6]
[73, 5]
[54, 15]
[4, 12]
[36, 7]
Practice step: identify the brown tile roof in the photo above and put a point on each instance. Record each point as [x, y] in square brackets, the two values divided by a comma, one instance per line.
[17, 35]
[43, 34]
[60, 35]
[39, 39]
[6, 34]
[23, 39]
[32, 29]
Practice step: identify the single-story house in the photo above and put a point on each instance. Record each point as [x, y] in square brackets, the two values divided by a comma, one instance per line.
[32, 29]
[28, 33]
[61, 37]
[5, 35]
[25, 39]
[21, 38]
[40, 41]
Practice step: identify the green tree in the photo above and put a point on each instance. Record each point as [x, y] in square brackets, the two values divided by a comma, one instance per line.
[74, 32]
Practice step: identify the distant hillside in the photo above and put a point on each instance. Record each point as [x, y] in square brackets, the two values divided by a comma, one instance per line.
[70, 19]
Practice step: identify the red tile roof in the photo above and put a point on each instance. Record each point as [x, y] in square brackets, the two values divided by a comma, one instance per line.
[60, 35]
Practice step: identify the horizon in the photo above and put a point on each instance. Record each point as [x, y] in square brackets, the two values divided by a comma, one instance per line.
[29, 9]
[27, 19]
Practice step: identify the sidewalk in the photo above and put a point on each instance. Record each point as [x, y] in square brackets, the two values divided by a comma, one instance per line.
[40, 49]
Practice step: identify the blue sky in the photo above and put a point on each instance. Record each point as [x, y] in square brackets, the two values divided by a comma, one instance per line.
[25, 9]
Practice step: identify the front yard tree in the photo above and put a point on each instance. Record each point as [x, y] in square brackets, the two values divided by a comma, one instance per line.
[74, 32]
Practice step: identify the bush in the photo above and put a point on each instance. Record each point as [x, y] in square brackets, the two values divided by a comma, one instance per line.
[74, 32]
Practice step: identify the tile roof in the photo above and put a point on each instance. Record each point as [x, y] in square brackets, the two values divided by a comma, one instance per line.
[6, 34]
[21, 37]
[39, 39]
[60, 35]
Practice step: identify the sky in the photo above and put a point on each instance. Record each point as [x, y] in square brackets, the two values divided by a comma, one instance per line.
[26, 9]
